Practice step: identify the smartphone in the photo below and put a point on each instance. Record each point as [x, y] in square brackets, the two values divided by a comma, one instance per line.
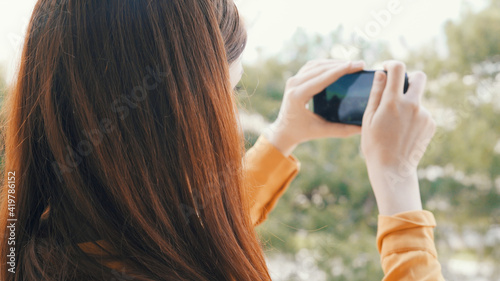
[345, 100]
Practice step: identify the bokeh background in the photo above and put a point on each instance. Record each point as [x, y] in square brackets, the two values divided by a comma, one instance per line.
[324, 227]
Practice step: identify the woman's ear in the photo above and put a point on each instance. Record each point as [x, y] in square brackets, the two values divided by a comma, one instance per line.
[235, 72]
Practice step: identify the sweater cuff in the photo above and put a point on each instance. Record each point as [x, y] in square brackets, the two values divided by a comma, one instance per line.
[407, 231]
[270, 175]
[264, 151]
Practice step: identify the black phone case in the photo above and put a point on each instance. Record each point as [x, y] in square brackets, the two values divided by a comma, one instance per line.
[322, 108]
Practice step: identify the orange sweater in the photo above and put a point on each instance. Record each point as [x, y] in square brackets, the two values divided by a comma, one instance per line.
[405, 241]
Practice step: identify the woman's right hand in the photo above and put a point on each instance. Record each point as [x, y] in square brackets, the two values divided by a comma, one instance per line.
[395, 134]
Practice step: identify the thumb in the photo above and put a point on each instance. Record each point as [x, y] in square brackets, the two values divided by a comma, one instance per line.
[379, 81]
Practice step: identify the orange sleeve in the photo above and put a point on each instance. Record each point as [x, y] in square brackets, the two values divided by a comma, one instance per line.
[405, 242]
[268, 173]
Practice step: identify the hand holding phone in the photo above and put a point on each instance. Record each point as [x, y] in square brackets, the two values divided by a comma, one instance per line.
[396, 131]
[296, 123]
[345, 100]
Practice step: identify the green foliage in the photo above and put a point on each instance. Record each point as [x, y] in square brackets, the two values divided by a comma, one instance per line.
[465, 35]
[3, 85]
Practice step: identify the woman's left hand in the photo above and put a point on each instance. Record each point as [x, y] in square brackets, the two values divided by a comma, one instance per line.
[296, 123]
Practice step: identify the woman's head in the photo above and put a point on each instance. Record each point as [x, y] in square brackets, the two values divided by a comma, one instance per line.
[121, 127]
[234, 35]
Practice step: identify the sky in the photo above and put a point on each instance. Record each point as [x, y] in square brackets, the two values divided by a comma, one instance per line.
[403, 24]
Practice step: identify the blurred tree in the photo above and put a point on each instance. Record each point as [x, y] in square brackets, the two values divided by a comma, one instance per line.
[464, 36]
[3, 84]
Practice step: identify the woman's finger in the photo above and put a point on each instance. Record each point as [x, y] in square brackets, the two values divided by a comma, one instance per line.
[326, 129]
[338, 130]
[316, 71]
[417, 83]
[308, 89]
[395, 81]
[379, 83]
[315, 63]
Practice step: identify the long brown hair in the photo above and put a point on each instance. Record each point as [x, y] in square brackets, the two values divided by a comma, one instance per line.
[121, 127]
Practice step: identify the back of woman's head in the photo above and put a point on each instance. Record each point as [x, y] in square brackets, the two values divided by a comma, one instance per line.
[121, 127]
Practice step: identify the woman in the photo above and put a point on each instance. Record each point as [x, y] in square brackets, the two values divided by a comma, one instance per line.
[123, 151]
